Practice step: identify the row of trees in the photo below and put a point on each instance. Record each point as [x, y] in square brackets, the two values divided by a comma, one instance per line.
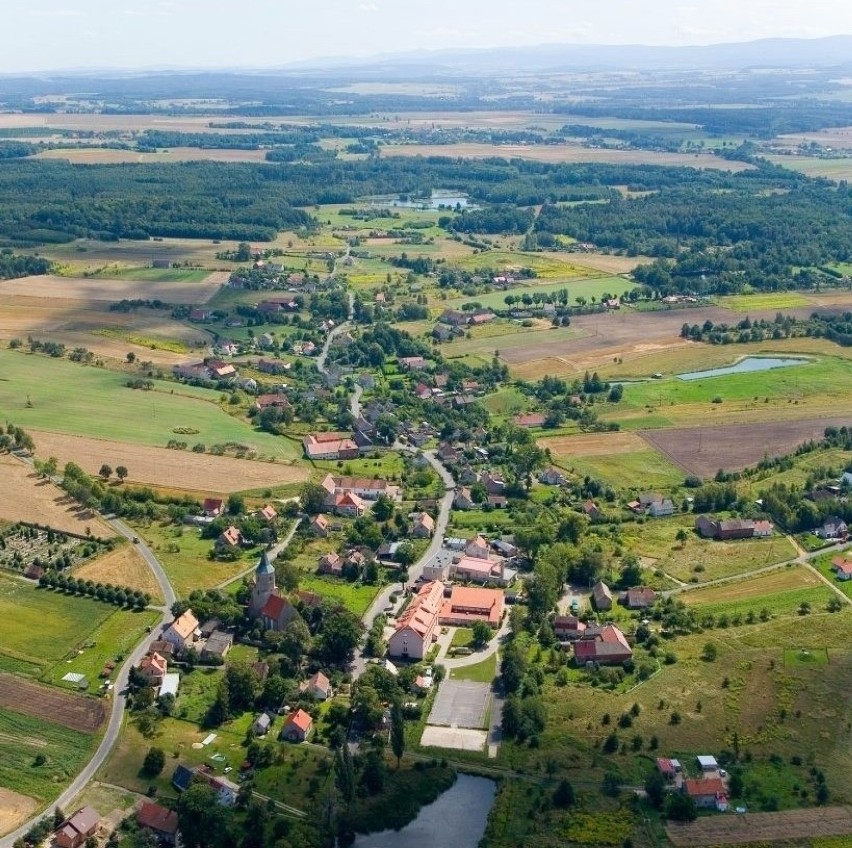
[119, 595]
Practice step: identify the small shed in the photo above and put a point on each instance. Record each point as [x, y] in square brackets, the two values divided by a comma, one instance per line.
[707, 763]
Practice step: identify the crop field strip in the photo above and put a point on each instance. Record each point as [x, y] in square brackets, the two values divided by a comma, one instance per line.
[76, 712]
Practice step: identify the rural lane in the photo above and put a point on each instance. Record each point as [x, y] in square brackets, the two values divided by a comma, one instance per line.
[119, 701]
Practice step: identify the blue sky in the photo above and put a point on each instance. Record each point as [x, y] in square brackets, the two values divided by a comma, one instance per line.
[62, 34]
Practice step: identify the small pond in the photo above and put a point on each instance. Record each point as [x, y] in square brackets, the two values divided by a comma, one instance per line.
[745, 366]
[456, 819]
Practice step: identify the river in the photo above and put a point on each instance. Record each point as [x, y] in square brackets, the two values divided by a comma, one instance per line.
[455, 820]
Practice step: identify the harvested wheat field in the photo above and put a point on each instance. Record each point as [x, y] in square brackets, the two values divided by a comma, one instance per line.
[104, 289]
[78, 712]
[14, 809]
[593, 444]
[703, 450]
[153, 466]
[111, 156]
[122, 567]
[763, 827]
[565, 153]
[27, 498]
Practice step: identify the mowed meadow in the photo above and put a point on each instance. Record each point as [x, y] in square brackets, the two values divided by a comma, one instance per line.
[38, 392]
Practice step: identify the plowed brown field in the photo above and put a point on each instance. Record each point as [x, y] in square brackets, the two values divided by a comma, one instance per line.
[75, 711]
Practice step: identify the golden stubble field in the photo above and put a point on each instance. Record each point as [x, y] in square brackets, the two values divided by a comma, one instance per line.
[124, 566]
[27, 498]
[173, 469]
[112, 156]
[14, 809]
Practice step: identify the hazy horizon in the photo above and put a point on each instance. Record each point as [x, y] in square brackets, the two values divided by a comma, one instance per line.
[55, 35]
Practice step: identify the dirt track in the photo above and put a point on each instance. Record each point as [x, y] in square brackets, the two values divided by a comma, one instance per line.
[732, 829]
[75, 711]
[703, 450]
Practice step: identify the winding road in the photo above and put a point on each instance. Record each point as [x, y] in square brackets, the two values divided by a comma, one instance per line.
[119, 700]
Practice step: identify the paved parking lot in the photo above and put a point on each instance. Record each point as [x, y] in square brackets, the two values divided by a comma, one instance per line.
[461, 703]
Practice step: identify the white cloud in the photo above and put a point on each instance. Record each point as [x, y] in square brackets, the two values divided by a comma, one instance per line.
[368, 7]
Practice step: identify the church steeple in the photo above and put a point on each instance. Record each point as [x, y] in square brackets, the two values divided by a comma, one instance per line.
[264, 584]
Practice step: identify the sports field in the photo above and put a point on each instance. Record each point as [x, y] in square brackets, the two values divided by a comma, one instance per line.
[42, 393]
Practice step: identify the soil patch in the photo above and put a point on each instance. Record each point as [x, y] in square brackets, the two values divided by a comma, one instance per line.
[65, 708]
[27, 498]
[703, 450]
[14, 809]
[180, 470]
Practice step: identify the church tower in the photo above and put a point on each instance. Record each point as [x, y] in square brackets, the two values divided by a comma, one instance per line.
[264, 585]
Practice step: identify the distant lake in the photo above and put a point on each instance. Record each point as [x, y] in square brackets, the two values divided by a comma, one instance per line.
[456, 820]
[745, 366]
[436, 201]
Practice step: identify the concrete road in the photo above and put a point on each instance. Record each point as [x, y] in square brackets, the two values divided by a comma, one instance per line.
[119, 700]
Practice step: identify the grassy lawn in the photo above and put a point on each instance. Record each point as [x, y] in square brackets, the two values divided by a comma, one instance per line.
[22, 738]
[100, 405]
[823, 565]
[297, 775]
[481, 672]
[780, 592]
[176, 738]
[506, 402]
[388, 466]
[643, 468]
[466, 523]
[803, 657]
[356, 597]
[698, 559]
[112, 640]
[183, 554]
[197, 692]
[41, 627]
[462, 637]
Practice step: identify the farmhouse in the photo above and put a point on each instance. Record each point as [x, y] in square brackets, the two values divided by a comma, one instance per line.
[568, 627]
[267, 513]
[161, 821]
[606, 645]
[668, 768]
[212, 507]
[274, 401]
[602, 596]
[842, 567]
[269, 366]
[182, 632]
[319, 526]
[707, 792]
[153, 668]
[552, 477]
[411, 363]
[833, 528]
[331, 563]
[364, 487]
[230, 537]
[463, 499]
[330, 446]
[422, 525]
[477, 546]
[298, 727]
[467, 605]
[217, 645]
[416, 628]
[641, 597]
[74, 831]
[453, 318]
[318, 687]
[732, 528]
[348, 505]
[592, 511]
[530, 419]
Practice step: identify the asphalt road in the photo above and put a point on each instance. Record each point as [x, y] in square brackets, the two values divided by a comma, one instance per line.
[119, 700]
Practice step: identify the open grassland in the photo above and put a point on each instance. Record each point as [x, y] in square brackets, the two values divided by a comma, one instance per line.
[124, 566]
[780, 591]
[169, 468]
[356, 597]
[515, 341]
[811, 390]
[110, 642]
[159, 275]
[28, 498]
[548, 267]
[839, 168]
[111, 156]
[70, 398]
[588, 288]
[604, 262]
[703, 450]
[618, 459]
[42, 627]
[114, 289]
[183, 555]
[22, 738]
[559, 153]
[698, 559]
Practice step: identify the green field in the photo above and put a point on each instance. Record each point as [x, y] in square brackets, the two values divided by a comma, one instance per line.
[839, 168]
[22, 738]
[805, 657]
[65, 397]
[183, 555]
[699, 560]
[587, 287]
[546, 267]
[356, 597]
[645, 469]
[481, 672]
[156, 275]
[42, 627]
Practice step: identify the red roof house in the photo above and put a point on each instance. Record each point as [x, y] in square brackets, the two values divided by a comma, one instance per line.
[298, 727]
